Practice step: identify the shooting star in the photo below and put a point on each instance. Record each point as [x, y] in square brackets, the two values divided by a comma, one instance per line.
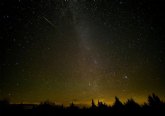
[48, 21]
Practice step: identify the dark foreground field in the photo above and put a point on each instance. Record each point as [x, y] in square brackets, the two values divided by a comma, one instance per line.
[154, 106]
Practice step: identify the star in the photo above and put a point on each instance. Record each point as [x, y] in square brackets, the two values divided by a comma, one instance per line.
[17, 63]
[95, 61]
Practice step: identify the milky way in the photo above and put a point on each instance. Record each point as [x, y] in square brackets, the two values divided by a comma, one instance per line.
[71, 50]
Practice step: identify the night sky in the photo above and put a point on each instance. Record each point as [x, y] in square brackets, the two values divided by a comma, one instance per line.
[77, 50]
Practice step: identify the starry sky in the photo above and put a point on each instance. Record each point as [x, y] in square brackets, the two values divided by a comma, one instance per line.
[77, 50]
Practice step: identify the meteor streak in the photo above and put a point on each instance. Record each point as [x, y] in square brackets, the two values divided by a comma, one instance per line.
[48, 21]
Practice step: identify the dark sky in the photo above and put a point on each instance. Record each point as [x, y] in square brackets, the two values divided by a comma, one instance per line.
[78, 50]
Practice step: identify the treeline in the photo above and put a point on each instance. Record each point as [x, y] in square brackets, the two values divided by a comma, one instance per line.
[153, 106]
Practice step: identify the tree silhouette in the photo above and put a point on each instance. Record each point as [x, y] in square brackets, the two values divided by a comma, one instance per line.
[101, 105]
[118, 105]
[73, 106]
[154, 100]
[131, 105]
[93, 104]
